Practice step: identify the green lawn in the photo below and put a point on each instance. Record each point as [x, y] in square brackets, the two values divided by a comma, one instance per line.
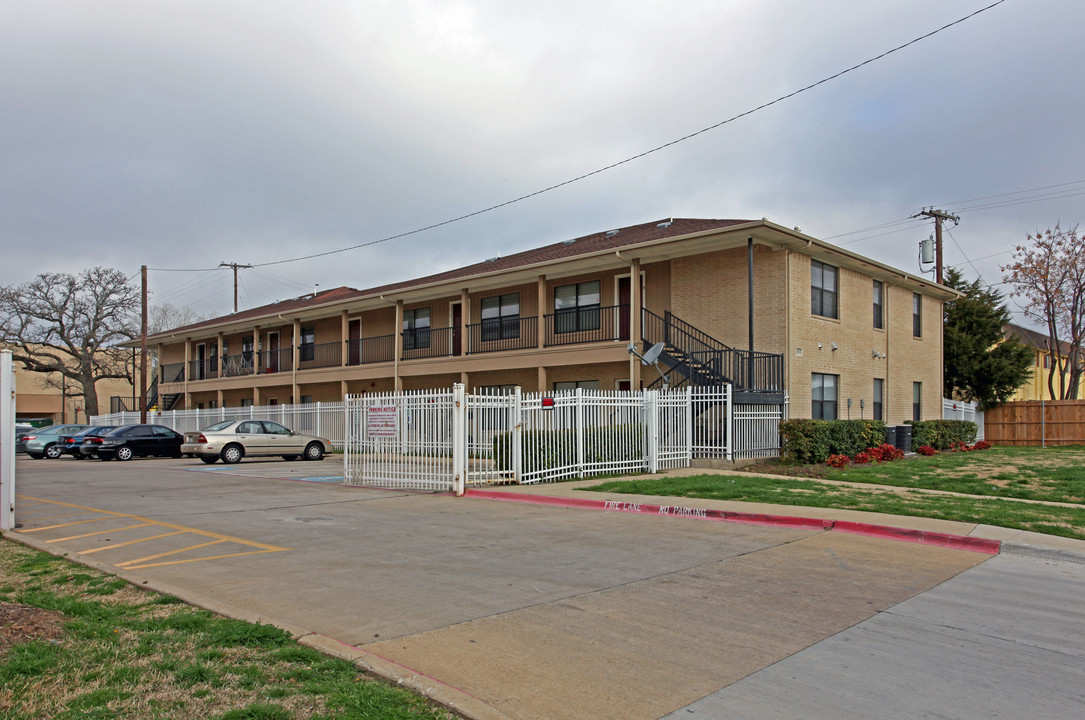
[1055, 474]
[998, 474]
[101, 649]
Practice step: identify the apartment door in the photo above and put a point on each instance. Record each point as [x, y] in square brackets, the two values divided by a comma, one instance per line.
[457, 320]
[354, 335]
[624, 301]
[273, 352]
[201, 362]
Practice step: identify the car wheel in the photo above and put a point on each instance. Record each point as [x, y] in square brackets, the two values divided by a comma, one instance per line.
[36, 456]
[290, 457]
[104, 457]
[52, 452]
[210, 460]
[78, 457]
[232, 454]
[314, 451]
[124, 453]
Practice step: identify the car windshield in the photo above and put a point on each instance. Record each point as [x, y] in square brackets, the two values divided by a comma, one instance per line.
[219, 426]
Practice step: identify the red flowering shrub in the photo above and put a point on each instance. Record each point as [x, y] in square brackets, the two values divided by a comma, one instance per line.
[982, 445]
[861, 458]
[885, 453]
[926, 450]
[959, 447]
[837, 461]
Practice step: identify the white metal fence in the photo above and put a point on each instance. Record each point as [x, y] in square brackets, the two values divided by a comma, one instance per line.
[959, 410]
[321, 419]
[447, 439]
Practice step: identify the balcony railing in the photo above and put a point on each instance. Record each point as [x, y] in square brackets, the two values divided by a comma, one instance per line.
[380, 348]
[206, 369]
[512, 333]
[587, 324]
[320, 356]
[237, 365]
[431, 342]
[173, 372]
[273, 361]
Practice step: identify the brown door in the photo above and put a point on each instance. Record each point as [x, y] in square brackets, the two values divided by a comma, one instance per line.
[623, 308]
[354, 332]
[457, 320]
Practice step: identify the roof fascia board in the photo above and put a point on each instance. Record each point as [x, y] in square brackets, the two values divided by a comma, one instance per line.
[820, 249]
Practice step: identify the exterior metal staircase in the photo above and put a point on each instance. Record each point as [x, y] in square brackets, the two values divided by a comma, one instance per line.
[693, 357]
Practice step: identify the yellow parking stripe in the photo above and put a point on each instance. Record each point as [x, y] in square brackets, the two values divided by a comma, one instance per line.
[200, 559]
[215, 538]
[77, 522]
[167, 554]
[130, 542]
[99, 532]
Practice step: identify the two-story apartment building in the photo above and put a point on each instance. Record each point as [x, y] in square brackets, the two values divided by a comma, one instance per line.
[767, 308]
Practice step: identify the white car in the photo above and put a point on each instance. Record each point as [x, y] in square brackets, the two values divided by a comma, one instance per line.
[232, 440]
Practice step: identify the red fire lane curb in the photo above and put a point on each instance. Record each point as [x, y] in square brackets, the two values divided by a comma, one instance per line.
[923, 537]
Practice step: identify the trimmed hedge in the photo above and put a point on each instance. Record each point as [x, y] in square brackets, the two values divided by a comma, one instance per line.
[940, 434]
[813, 441]
[547, 449]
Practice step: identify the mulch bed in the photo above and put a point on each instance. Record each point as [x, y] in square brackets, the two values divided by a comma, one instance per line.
[22, 623]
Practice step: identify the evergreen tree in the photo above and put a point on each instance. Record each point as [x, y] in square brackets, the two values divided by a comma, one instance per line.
[981, 364]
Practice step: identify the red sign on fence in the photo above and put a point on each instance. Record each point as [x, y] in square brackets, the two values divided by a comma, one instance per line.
[382, 421]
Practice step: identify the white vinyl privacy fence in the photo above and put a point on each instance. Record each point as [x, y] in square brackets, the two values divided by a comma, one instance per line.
[960, 410]
[321, 419]
[448, 439]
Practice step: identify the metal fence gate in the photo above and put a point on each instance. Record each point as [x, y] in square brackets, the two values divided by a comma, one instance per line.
[447, 439]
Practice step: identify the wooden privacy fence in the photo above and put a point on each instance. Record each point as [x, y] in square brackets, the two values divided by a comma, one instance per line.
[1036, 422]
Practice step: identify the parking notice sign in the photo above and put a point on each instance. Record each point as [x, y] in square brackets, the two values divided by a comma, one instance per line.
[382, 421]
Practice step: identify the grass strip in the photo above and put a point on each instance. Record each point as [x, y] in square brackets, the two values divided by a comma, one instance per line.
[1051, 520]
[102, 649]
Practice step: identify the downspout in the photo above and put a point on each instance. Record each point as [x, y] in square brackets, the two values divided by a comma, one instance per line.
[749, 310]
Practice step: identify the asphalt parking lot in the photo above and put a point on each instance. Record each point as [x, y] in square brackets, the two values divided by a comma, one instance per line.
[508, 610]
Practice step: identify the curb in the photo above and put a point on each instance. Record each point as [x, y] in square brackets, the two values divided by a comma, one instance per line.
[922, 537]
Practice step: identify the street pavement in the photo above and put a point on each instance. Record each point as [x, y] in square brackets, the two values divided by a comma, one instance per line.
[531, 610]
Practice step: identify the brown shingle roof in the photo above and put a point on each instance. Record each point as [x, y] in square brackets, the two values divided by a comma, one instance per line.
[605, 240]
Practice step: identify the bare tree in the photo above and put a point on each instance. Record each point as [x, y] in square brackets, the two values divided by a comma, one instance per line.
[166, 316]
[1049, 275]
[70, 326]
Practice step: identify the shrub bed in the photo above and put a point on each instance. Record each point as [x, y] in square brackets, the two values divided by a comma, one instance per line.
[813, 441]
[942, 434]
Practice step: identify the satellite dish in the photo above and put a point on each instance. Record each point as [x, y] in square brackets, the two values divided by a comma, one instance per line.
[653, 354]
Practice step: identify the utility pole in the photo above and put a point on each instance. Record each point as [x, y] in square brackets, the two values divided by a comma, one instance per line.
[235, 266]
[143, 348]
[939, 216]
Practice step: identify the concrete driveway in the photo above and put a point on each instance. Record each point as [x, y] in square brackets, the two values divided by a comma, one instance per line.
[508, 610]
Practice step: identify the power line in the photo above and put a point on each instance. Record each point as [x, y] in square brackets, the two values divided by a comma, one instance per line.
[638, 156]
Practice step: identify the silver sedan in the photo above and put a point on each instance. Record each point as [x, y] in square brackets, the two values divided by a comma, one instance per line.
[232, 440]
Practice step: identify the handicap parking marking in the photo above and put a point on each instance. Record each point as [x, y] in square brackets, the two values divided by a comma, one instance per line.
[237, 472]
[192, 539]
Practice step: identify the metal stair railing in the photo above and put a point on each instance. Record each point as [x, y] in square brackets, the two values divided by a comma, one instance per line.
[702, 360]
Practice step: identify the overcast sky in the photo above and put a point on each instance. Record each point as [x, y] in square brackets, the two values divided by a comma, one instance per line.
[182, 134]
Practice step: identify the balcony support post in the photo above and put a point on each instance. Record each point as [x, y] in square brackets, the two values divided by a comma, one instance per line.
[397, 382]
[635, 331]
[295, 358]
[187, 367]
[344, 333]
[541, 326]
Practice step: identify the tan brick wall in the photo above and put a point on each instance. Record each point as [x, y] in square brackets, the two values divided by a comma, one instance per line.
[907, 359]
[710, 292]
[607, 374]
[526, 378]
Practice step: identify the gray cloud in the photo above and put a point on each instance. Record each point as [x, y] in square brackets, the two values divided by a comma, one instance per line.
[179, 135]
